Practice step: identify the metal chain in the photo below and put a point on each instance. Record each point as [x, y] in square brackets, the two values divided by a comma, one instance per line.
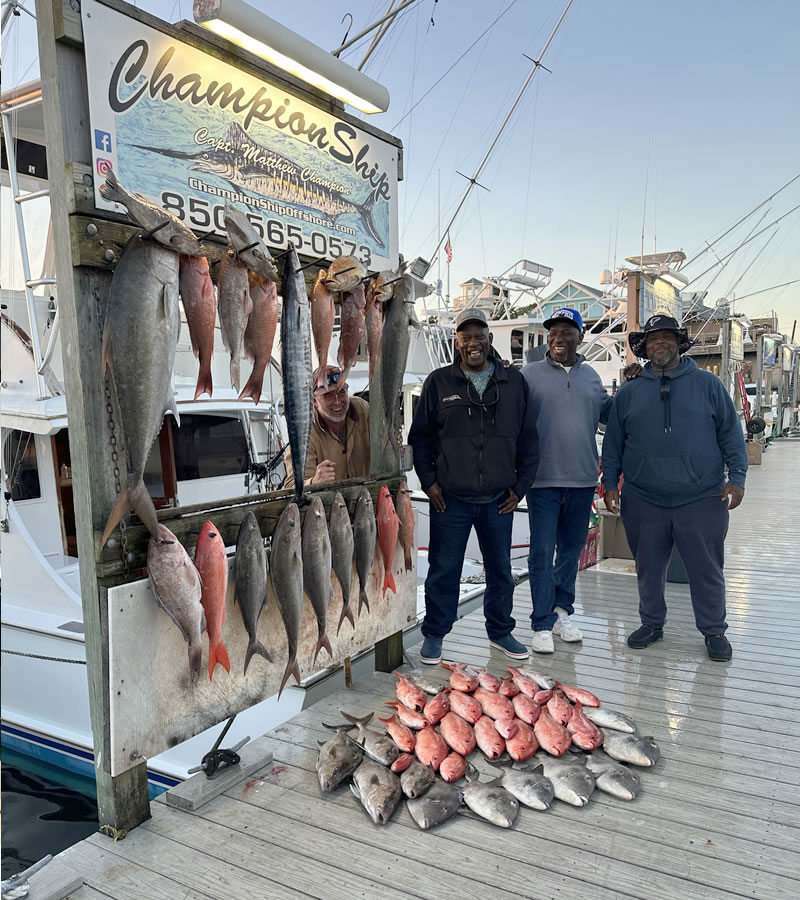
[77, 662]
[112, 430]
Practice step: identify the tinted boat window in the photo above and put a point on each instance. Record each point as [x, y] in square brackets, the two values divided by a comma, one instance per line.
[209, 447]
[20, 465]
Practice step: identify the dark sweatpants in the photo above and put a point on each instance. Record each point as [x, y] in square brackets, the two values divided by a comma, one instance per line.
[698, 529]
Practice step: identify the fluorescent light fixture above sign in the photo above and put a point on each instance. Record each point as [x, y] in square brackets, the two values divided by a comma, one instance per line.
[250, 29]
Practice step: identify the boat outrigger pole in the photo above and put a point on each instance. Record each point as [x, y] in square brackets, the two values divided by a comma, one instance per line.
[471, 182]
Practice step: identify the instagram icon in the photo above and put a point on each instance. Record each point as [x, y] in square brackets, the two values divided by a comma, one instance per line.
[103, 165]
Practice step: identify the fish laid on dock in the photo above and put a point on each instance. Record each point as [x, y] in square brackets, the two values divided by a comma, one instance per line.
[200, 306]
[211, 562]
[296, 364]
[410, 694]
[438, 804]
[553, 737]
[378, 746]
[613, 777]
[286, 572]
[529, 785]
[401, 734]
[251, 584]
[140, 337]
[342, 550]
[235, 306]
[460, 678]
[458, 733]
[453, 767]
[378, 789]
[431, 748]
[317, 569]
[166, 228]
[177, 589]
[337, 760]
[610, 718]
[585, 734]
[490, 800]
[365, 533]
[572, 782]
[631, 748]
[259, 335]
[416, 779]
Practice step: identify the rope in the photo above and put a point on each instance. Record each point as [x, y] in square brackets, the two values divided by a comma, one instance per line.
[76, 662]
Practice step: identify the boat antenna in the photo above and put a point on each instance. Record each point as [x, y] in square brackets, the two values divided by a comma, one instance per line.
[471, 182]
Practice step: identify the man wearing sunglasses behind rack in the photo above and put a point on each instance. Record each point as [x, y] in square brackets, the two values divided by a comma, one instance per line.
[472, 439]
[339, 444]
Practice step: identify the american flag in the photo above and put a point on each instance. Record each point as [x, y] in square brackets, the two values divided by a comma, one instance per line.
[448, 250]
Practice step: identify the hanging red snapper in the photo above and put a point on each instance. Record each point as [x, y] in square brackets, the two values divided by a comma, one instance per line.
[200, 306]
[388, 529]
[211, 562]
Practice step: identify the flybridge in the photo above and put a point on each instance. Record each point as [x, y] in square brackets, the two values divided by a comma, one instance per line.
[257, 106]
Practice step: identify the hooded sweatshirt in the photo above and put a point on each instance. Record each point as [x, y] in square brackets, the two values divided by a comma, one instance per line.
[672, 437]
[567, 407]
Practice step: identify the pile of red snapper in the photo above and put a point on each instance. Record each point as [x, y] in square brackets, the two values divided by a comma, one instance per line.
[549, 734]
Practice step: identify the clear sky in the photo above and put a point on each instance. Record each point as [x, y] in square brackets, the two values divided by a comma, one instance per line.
[693, 101]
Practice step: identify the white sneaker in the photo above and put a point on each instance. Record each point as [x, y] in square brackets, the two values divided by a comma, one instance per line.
[568, 631]
[542, 642]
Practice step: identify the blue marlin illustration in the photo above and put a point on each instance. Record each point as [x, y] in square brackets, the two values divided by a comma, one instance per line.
[266, 173]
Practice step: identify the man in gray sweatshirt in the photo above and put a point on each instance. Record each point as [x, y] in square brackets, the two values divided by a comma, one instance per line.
[568, 401]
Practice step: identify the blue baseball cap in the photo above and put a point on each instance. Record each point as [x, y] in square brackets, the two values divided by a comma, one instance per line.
[565, 314]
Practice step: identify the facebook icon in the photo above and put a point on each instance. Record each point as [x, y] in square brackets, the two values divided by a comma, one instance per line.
[102, 140]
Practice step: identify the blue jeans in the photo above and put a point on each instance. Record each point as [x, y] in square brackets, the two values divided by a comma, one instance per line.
[449, 532]
[559, 523]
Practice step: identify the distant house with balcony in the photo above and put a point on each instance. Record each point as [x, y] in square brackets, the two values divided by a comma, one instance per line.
[482, 294]
[589, 302]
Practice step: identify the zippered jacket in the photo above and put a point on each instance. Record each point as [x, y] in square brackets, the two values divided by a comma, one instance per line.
[473, 447]
[672, 437]
[567, 408]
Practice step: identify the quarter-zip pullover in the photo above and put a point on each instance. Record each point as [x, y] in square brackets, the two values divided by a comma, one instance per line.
[567, 405]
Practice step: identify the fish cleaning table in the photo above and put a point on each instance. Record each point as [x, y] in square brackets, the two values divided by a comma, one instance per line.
[718, 816]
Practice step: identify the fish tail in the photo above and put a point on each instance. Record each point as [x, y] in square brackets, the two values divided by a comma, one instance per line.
[132, 495]
[323, 642]
[364, 720]
[388, 581]
[235, 364]
[255, 646]
[363, 601]
[365, 210]
[204, 382]
[408, 560]
[253, 386]
[217, 654]
[195, 659]
[291, 669]
[347, 613]
[111, 189]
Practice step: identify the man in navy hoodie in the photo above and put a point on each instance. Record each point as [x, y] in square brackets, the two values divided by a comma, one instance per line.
[672, 433]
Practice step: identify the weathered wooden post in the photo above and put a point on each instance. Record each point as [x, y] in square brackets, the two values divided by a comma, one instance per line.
[122, 801]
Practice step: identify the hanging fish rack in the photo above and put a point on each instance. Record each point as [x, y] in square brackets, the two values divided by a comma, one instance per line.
[185, 522]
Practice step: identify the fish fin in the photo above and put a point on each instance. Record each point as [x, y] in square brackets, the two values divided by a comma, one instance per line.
[323, 642]
[204, 382]
[363, 601]
[388, 581]
[255, 646]
[172, 407]
[291, 669]
[365, 211]
[135, 495]
[111, 190]
[347, 613]
[365, 720]
[195, 659]
[217, 654]
[174, 154]
[235, 364]
[448, 666]
[119, 509]
[342, 726]
[408, 561]
[253, 386]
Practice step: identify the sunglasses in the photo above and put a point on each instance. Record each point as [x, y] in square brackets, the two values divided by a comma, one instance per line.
[331, 379]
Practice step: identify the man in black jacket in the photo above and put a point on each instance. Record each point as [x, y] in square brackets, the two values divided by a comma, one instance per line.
[472, 438]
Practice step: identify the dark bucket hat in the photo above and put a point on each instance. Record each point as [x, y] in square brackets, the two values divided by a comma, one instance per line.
[659, 322]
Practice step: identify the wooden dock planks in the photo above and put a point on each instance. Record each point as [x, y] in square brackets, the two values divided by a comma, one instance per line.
[719, 815]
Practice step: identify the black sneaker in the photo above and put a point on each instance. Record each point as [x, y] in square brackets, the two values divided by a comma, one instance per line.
[644, 636]
[719, 647]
